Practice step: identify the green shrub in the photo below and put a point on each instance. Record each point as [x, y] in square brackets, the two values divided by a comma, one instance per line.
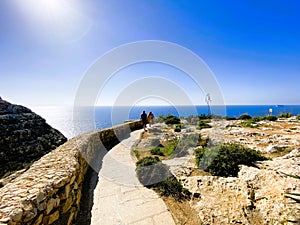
[203, 124]
[172, 120]
[285, 115]
[298, 117]
[244, 117]
[150, 171]
[204, 117]
[156, 151]
[223, 160]
[187, 142]
[229, 118]
[169, 148]
[154, 174]
[270, 118]
[147, 161]
[136, 153]
[177, 128]
[257, 118]
[249, 123]
[172, 187]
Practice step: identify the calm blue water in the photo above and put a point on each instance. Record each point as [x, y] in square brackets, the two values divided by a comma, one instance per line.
[72, 123]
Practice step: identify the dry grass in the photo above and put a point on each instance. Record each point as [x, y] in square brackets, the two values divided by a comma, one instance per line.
[182, 212]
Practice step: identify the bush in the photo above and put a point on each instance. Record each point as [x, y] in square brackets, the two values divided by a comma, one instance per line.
[223, 160]
[257, 118]
[229, 118]
[150, 171]
[298, 117]
[249, 123]
[154, 174]
[172, 187]
[285, 115]
[177, 128]
[172, 120]
[204, 117]
[170, 147]
[156, 151]
[245, 117]
[136, 153]
[270, 118]
[203, 124]
[147, 161]
[187, 142]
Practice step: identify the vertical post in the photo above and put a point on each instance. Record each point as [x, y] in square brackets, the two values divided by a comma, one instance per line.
[208, 100]
[270, 111]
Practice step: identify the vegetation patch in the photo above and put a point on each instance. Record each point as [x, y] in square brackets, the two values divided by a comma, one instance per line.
[177, 128]
[136, 153]
[285, 115]
[189, 141]
[249, 123]
[224, 160]
[203, 124]
[270, 118]
[245, 117]
[156, 151]
[170, 119]
[152, 173]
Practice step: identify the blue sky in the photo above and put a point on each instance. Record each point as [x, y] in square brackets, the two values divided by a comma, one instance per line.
[252, 47]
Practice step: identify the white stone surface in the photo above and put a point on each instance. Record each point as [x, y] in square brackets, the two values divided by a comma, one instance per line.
[119, 198]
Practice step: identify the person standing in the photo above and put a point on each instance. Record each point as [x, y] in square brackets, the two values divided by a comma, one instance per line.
[144, 119]
[150, 118]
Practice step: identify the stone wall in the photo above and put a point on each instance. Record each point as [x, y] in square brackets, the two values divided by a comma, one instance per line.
[49, 192]
[24, 137]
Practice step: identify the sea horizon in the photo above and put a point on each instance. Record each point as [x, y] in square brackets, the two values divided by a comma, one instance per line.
[85, 119]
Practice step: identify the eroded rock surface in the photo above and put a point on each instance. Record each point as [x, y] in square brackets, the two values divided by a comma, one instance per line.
[268, 194]
[24, 137]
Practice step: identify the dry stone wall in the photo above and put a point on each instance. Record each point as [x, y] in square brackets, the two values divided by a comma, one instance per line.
[50, 191]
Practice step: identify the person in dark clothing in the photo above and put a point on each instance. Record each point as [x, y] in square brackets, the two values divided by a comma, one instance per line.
[144, 119]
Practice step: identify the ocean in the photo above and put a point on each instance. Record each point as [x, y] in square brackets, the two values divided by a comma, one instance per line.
[71, 122]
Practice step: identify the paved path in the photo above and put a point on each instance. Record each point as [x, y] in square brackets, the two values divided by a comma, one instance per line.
[119, 198]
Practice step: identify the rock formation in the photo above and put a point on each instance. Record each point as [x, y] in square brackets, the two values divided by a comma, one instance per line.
[24, 137]
[268, 194]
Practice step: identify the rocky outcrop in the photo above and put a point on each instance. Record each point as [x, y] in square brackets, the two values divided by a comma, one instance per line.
[268, 194]
[24, 137]
[265, 195]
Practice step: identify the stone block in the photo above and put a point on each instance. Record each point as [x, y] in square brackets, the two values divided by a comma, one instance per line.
[80, 178]
[65, 193]
[41, 206]
[16, 214]
[29, 214]
[52, 203]
[78, 197]
[71, 217]
[51, 218]
[67, 204]
[39, 220]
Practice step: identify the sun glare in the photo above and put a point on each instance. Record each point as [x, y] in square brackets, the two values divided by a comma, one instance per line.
[60, 18]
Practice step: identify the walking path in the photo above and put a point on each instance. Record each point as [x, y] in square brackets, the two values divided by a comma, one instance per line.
[119, 198]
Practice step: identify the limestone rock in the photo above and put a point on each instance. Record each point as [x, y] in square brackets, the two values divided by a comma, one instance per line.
[24, 137]
[256, 196]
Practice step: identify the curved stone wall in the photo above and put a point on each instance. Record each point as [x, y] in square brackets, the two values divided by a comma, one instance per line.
[49, 192]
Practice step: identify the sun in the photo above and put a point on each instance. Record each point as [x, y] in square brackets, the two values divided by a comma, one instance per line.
[56, 18]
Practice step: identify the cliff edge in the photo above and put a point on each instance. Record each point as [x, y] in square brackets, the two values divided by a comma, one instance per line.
[24, 137]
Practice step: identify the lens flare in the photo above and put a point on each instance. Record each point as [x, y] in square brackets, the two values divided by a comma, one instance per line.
[55, 18]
